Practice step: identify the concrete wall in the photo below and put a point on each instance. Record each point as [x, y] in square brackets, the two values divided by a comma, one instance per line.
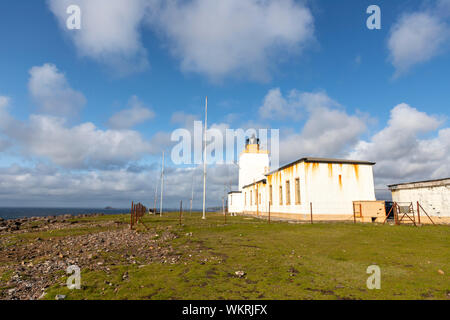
[330, 187]
[434, 199]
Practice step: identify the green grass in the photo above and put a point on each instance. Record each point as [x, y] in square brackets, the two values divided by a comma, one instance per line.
[281, 261]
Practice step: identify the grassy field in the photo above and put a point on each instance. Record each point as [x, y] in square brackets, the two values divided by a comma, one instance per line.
[280, 261]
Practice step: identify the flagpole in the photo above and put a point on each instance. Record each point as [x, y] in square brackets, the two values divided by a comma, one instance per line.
[162, 185]
[192, 192]
[204, 160]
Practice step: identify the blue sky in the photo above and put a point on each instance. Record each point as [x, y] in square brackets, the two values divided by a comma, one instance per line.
[382, 91]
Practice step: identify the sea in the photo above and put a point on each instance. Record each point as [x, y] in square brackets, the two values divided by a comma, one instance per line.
[16, 213]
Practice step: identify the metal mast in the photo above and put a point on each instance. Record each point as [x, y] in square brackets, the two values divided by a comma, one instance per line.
[156, 195]
[162, 185]
[192, 192]
[204, 160]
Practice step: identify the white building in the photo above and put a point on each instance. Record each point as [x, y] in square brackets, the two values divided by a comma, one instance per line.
[432, 195]
[327, 186]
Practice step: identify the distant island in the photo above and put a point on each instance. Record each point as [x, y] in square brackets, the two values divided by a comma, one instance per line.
[109, 208]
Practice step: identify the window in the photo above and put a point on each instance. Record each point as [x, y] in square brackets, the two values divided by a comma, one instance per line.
[297, 191]
[270, 194]
[256, 198]
[251, 197]
[245, 198]
[231, 199]
[281, 195]
[288, 192]
[259, 198]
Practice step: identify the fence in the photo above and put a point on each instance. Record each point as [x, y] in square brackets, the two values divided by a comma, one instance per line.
[137, 212]
[376, 211]
[404, 213]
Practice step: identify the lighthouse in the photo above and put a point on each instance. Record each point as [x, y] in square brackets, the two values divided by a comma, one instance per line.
[253, 162]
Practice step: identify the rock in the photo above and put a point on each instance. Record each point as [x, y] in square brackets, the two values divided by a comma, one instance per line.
[60, 297]
[441, 272]
[240, 274]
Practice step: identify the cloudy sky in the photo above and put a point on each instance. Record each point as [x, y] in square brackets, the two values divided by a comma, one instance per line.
[85, 114]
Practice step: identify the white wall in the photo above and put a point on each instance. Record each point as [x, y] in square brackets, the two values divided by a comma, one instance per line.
[235, 203]
[252, 167]
[331, 188]
[435, 200]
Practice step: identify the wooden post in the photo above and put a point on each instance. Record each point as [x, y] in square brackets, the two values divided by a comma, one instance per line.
[225, 212]
[418, 211]
[269, 212]
[411, 208]
[311, 211]
[137, 213]
[395, 214]
[354, 214]
[360, 211]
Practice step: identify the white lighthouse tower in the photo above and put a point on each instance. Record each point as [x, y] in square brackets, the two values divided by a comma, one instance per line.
[253, 164]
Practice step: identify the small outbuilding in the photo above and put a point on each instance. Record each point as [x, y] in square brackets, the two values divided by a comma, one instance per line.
[432, 195]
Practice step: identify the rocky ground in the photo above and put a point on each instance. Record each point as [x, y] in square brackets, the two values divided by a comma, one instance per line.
[29, 263]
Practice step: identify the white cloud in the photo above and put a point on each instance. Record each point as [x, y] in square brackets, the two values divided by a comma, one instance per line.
[4, 144]
[186, 120]
[402, 150]
[80, 146]
[45, 185]
[5, 118]
[136, 113]
[328, 129]
[50, 89]
[295, 105]
[109, 32]
[83, 145]
[417, 38]
[4, 101]
[275, 106]
[219, 39]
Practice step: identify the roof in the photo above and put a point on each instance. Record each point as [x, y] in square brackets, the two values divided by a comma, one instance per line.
[231, 192]
[421, 184]
[322, 160]
[256, 182]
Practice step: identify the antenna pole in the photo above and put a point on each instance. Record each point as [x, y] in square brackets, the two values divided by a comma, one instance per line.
[162, 185]
[156, 195]
[192, 193]
[204, 160]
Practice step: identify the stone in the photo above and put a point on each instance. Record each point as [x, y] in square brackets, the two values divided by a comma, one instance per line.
[240, 273]
[60, 297]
